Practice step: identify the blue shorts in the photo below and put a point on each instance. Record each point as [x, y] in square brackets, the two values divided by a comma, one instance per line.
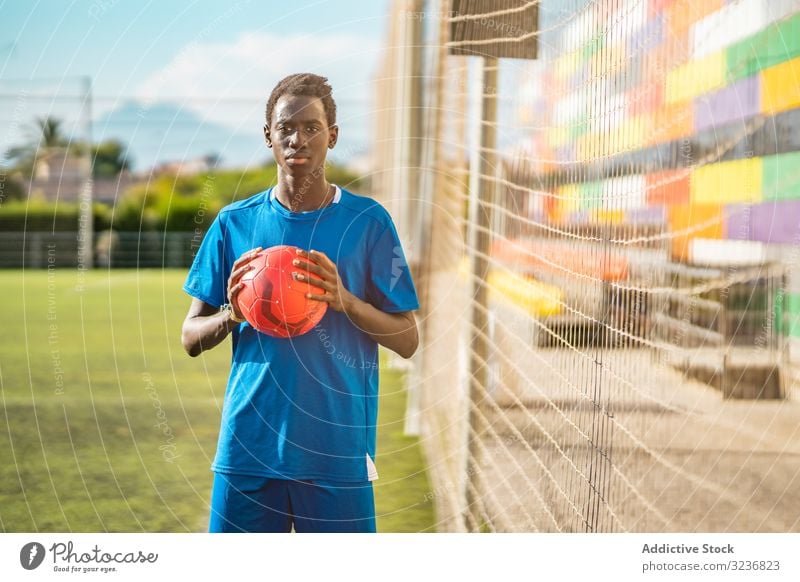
[243, 503]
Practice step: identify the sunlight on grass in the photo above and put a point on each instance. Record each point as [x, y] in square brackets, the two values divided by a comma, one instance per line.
[108, 426]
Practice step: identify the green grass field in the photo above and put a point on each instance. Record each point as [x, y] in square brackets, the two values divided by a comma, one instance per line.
[107, 425]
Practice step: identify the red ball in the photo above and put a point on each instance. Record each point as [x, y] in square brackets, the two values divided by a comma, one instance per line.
[275, 303]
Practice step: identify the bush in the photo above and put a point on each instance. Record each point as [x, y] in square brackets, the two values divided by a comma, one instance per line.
[186, 214]
[165, 203]
[10, 189]
[49, 217]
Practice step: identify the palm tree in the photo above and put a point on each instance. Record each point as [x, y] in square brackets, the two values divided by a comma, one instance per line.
[45, 134]
[48, 133]
[108, 158]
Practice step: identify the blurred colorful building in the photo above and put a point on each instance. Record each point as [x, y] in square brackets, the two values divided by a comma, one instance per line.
[683, 114]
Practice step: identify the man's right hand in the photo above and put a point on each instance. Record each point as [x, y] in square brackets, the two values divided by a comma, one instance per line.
[240, 267]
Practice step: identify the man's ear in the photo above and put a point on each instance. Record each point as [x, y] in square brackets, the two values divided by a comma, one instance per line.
[333, 136]
[266, 136]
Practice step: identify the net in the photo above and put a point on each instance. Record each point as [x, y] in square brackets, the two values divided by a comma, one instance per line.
[605, 238]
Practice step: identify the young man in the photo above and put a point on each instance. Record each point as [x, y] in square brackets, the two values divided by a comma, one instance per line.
[297, 439]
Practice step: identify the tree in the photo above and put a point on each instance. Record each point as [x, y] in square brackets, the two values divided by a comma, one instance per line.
[109, 159]
[44, 134]
[10, 189]
[213, 160]
[47, 131]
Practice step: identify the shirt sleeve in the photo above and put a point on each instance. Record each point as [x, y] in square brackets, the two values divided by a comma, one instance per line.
[390, 287]
[208, 276]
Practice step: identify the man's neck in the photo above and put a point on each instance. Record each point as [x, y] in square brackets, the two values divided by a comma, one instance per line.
[303, 193]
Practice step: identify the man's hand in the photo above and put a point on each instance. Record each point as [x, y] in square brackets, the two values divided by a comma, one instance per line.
[240, 267]
[327, 278]
[396, 331]
[206, 326]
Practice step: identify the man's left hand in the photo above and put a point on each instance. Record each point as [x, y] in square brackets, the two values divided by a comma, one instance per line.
[327, 278]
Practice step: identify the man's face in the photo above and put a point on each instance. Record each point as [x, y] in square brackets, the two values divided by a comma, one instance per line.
[299, 134]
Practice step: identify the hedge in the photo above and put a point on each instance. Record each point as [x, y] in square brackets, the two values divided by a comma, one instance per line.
[165, 203]
[20, 216]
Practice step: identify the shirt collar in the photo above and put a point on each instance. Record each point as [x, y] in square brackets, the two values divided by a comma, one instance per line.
[273, 194]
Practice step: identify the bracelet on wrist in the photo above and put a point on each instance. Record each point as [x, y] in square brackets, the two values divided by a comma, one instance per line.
[231, 313]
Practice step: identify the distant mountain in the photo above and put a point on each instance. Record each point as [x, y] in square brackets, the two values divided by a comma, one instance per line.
[161, 132]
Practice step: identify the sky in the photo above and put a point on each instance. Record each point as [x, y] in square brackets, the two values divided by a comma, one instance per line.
[178, 79]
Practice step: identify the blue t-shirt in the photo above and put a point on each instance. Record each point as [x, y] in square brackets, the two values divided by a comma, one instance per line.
[304, 407]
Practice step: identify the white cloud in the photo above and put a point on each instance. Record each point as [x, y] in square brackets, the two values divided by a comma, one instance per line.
[229, 82]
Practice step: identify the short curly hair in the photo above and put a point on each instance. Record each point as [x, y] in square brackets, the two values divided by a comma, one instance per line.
[305, 85]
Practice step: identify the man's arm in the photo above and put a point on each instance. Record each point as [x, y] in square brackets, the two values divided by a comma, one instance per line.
[396, 331]
[205, 327]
